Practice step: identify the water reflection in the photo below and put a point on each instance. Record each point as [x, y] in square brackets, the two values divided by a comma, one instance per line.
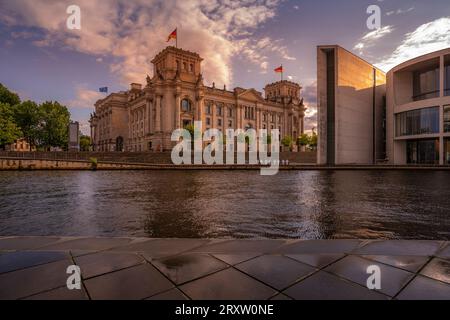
[221, 204]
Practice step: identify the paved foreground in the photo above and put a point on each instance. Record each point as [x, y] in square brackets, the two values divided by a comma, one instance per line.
[177, 269]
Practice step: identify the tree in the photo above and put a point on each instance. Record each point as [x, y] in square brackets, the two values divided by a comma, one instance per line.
[313, 142]
[8, 97]
[26, 115]
[55, 119]
[287, 141]
[85, 143]
[9, 131]
[303, 140]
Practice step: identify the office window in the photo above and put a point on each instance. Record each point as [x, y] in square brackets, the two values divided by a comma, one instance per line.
[447, 76]
[416, 122]
[447, 150]
[426, 84]
[422, 151]
[447, 118]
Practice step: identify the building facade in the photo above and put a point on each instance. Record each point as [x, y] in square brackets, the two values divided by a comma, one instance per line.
[21, 145]
[351, 108]
[143, 118]
[418, 110]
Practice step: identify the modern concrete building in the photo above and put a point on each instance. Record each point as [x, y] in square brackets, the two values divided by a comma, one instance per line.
[74, 136]
[418, 110]
[351, 108]
[143, 118]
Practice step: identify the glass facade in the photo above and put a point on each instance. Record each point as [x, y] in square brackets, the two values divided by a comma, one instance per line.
[422, 151]
[416, 122]
[447, 76]
[447, 118]
[426, 84]
[447, 150]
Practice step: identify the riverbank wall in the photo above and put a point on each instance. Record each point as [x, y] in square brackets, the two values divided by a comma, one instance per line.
[14, 164]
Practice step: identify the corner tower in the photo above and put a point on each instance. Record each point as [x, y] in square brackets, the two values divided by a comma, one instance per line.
[282, 91]
[173, 62]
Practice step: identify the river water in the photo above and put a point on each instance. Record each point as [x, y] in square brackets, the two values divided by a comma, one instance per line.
[227, 204]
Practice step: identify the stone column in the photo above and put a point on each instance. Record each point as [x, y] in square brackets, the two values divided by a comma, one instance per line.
[151, 125]
[158, 114]
[200, 107]
[177, 111]
[257, 118]
[213, 115]
[225, 118]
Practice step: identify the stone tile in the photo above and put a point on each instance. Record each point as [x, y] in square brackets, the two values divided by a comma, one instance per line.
[445, 252]
[134, 283]
[409, 263]
[241, 246]
[438, 269]
[229, 284]
[316, 260]
[173, 294]
[187, 267]
[158, 248]
[25, 243]
[280, 296]
[26, 282]
[324, 286]
[234, 259]
[105, 262]
[79, 253]
[275, 270]
[400, 248]
[354, 269]
[422, 288]
[320, 247]
[90, 244]
[61, 294]
[25, 259]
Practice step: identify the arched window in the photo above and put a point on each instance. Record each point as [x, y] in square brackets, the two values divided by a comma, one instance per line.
[185, 105]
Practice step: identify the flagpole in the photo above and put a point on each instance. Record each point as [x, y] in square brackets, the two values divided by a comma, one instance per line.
[176, 38]
[282, 70]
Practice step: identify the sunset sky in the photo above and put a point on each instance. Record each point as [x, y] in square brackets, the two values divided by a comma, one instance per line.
[241, 42]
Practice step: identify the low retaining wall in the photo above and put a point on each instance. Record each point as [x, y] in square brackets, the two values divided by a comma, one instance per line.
[136, 157]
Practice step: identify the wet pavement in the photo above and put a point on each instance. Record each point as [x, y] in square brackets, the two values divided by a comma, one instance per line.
[202, 269]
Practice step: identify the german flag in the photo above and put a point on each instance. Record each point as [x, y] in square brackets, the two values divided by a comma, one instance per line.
[279, 69]
[173, 35]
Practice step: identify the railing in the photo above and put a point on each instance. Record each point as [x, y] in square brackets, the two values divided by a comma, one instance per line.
[425, 95]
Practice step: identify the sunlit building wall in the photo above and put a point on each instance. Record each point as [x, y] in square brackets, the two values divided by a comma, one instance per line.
[418, 110]
[351, 108]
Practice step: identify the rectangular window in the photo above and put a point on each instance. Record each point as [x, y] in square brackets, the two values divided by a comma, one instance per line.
[219, 122]
[447, 150]
[416, 122]
[422, 151]
[208, 121]
[447, 118]
[426, 84]
[447, 76]
[230, 124]
[208, 109]
[230, 112]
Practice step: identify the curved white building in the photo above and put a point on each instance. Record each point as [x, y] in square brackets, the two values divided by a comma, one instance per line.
[418, 110]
